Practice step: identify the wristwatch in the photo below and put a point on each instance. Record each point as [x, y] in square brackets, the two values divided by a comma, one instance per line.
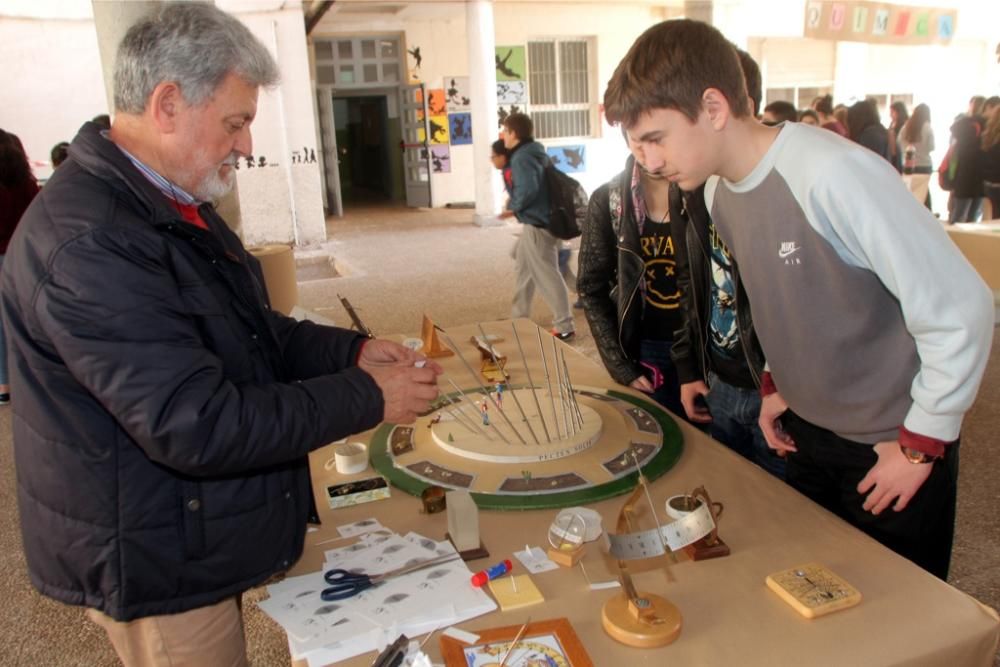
[917, 456]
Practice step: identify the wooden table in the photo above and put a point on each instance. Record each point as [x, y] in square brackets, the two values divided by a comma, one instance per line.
[980, 243]
[907, 617]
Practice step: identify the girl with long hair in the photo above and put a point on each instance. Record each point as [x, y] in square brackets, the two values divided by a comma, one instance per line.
[917, 141]
[17, 188]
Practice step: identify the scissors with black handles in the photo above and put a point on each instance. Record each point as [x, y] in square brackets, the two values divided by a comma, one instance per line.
[345, 584]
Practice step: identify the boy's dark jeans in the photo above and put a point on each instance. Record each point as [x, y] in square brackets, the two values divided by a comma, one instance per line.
[828, 468]
[735, 412]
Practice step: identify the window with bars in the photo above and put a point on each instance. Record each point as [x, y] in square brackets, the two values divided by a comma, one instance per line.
[559, 90]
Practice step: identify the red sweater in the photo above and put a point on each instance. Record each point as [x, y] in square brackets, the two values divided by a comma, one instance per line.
[13, 202]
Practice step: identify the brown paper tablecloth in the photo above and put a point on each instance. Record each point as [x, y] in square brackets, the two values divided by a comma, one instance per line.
[980, 243]
[907, 617]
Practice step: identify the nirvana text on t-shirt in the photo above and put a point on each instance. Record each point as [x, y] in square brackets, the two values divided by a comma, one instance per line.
[661, 310]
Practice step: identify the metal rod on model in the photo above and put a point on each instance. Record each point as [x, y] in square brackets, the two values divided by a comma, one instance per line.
[652, 508]
[466, 421]
[496, 362]
[458, 351]
[527, 371]
[462, 419]
[570, 406]
[572, 393]
[548, 382]
[475, 410]
[559, 379]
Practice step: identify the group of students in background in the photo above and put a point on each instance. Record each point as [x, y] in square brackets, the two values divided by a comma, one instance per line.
[970, 170]
[973, 161]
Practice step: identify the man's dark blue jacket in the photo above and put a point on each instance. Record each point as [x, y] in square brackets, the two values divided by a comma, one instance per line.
[162, 412]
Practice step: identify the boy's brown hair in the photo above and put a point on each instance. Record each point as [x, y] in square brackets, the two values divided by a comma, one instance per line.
[520, 124]
[669, 67]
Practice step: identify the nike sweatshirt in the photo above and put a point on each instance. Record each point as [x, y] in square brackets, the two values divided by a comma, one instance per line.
[871, 319]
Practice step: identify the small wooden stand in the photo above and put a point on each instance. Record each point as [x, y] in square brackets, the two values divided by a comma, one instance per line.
[463, 525]
[492, 362]
[470, 554]
[647, 621]
[710, 546]
[566, 557]
[432, 345]
[642, 620]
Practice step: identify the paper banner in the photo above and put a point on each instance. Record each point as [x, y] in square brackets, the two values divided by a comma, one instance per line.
[879, 23]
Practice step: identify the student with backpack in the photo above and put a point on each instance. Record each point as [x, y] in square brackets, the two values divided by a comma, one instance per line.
[961, 171]
[537, 251]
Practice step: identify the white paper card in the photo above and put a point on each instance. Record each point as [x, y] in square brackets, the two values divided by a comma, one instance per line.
[535, 560]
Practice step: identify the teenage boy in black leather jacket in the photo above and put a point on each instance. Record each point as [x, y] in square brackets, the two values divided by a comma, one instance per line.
[716, 353]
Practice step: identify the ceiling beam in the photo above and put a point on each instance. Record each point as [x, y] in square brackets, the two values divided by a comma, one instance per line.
[316, 12]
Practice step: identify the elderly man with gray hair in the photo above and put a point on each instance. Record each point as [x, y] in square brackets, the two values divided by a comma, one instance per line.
[163, 413]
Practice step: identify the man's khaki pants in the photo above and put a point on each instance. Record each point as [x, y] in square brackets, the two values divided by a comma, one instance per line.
[204, 637]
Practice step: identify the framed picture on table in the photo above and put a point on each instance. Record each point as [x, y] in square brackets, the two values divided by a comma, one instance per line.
[551, 643]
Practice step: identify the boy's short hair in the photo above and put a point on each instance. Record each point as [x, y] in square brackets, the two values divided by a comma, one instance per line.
[751, 74]
[783, 111]
[59, 153]
[521, 125]
[669, 67]
[499, 148]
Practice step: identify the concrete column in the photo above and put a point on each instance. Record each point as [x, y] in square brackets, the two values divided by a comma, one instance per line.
[111, 21]
[729, 16]
[483, 89]
[850, 81]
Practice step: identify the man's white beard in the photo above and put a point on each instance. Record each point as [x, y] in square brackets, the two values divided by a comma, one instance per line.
[214, 186]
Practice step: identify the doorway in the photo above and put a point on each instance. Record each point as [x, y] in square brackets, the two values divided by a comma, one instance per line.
[367, 150]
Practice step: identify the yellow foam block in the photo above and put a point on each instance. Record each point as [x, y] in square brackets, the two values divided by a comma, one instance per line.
[526, 594]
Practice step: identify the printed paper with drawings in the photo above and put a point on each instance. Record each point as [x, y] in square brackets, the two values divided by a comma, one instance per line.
[359, 527]
[324, 632]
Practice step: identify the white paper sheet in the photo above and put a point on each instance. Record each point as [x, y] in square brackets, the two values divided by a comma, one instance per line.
[418, 602]
[535, 560]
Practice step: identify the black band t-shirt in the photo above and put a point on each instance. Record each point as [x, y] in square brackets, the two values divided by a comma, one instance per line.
[661, 314]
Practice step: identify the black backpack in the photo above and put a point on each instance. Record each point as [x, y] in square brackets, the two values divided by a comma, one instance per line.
[567, 203]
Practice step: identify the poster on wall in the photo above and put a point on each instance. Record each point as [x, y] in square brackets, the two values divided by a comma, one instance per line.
[441, 159]
[569, 159]
[504, 111]
[457, 94]
[879, 23]
[510, 63]
[437, 104]
[439, 129]
[418, 97]
[460, 128]
[512, 92]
